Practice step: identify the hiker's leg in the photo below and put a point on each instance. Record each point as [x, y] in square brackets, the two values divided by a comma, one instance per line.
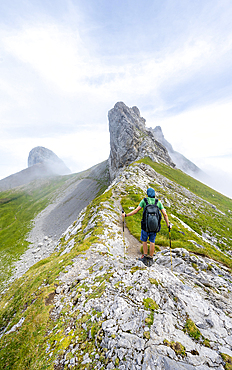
[143, 238]
[144, 247]
[152, 249]
[152, 237]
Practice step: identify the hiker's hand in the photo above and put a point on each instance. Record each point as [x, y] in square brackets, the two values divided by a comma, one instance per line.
[123, 214]
[170, 226]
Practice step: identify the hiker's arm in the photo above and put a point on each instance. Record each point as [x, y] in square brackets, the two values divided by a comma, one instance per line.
[132, 212]
[166, 218]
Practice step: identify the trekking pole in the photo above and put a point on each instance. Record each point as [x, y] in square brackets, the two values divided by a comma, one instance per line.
[169, 228]
[123, 225]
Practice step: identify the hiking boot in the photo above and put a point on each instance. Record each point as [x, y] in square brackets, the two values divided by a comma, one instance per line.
[149, 261]
[144, 259]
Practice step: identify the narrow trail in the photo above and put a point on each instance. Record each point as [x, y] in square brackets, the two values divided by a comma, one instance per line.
[133, 245]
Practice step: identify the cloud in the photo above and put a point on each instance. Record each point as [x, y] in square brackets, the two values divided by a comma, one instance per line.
[60, 56]
[65, 64]
[208, 127]
[53, 51]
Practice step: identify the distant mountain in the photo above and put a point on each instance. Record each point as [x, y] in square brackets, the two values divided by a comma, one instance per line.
[40, 154]
[42, 163]
[181, 161]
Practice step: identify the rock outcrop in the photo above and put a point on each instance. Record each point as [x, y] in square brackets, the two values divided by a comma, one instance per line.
[42, 163]
[130, 140]
[40, 154]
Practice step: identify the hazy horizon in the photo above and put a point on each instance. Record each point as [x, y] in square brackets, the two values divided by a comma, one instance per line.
[64, 64]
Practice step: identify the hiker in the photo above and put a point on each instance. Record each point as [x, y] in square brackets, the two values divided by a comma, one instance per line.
[148, 259]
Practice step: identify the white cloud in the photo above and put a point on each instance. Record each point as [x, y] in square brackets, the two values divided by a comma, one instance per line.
[55, 52]
[61, 58]
[56, 81]
[200, 133]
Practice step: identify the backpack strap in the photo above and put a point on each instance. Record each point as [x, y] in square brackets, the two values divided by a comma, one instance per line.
[146, 201]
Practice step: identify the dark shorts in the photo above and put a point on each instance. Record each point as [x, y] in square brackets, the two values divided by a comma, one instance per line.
[145, 236]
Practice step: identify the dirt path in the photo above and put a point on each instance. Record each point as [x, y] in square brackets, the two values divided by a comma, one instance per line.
[133, 250]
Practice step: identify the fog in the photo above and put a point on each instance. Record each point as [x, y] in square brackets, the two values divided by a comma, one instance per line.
[217, 179]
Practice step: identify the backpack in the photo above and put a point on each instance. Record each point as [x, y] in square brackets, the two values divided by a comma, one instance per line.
[151, 217]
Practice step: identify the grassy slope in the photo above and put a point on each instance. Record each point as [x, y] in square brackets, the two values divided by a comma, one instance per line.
[201, 218]
[220, 201]
[30, 297]
[17, 209]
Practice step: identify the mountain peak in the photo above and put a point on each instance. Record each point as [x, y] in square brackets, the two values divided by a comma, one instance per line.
[180, 160]
[130, 140]
[40, 154]
[42, 163]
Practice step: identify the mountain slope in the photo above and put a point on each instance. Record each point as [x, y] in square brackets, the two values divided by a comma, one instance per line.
[88, 307]
[55, 202]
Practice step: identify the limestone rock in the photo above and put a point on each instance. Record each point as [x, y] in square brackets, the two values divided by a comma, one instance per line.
[42, 163]
[40, 154]
[130, 140]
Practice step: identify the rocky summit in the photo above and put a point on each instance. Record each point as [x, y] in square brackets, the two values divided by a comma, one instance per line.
[85, 301]
[42, 164]
[40, 154]
[130, 140]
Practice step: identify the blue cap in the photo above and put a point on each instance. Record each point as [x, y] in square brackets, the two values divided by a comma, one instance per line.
[151, 193]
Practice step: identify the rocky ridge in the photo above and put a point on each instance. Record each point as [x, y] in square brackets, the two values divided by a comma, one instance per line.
[143, 315]
[130, 140]
[117, 313]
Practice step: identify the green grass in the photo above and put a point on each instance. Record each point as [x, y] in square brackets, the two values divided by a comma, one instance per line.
[17, 210]
[30, 297]
[150, 304]
[222, 202]
[19, 207]
[198, 215]
[192, 330]
[176, 346]
[228, 361]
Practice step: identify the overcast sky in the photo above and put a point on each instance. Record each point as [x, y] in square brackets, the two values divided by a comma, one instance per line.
[65, 63]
